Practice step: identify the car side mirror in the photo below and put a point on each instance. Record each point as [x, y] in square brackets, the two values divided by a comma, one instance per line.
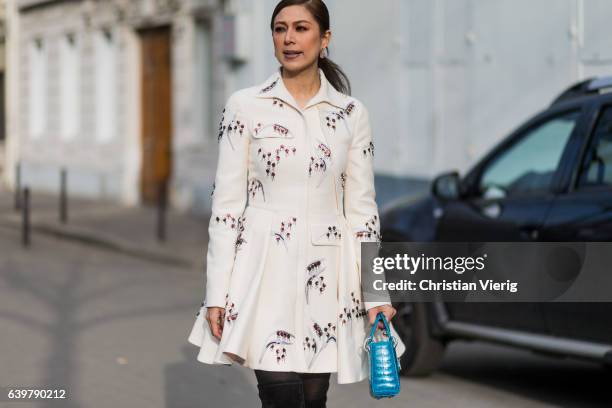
[447, 186]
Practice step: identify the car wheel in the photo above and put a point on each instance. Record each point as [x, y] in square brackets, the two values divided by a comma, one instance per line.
[423, 352]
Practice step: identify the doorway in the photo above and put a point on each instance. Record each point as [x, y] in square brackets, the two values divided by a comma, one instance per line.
[156, 112]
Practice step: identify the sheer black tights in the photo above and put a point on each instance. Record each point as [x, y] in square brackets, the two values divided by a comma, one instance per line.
[314, 385]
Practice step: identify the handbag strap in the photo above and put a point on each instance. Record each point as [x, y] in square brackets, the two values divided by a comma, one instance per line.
[380, 316]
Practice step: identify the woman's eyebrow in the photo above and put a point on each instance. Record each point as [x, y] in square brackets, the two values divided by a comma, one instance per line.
[295, 22]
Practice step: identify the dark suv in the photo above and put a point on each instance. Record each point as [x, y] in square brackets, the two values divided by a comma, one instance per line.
[550, 180]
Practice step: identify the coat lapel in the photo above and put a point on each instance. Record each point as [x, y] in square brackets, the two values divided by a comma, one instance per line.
[274, 88]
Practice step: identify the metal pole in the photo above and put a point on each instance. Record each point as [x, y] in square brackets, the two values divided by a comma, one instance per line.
[17, 186]
[25, 218]
[63, 204]
[161, 211]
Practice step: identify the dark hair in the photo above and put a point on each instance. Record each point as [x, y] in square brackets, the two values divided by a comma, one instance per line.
[319, 11]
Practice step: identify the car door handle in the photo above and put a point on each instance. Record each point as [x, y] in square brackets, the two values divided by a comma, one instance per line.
[492, 210]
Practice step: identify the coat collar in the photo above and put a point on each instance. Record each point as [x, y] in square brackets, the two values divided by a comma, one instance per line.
[274, 87]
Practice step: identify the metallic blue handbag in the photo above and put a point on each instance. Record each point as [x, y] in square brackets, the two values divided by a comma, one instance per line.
[384, 364]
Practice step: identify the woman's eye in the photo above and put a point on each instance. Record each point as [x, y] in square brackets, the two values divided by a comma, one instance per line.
[301, 28]
[279, 29]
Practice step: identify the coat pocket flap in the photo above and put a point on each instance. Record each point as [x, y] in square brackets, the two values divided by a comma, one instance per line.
[276, 130]
[326, 234]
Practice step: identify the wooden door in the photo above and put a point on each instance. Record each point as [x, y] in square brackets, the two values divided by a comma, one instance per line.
[156, 103]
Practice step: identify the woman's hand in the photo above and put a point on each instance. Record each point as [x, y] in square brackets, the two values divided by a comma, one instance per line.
[215, 317]
[388, 310]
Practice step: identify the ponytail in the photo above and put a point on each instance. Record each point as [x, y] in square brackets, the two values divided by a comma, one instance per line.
[335, 75]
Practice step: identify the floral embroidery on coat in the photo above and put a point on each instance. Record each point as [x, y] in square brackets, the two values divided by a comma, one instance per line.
[272, 162]
[228, 220]
[333, 118]
[255, 187]
[353, 311]
[314, 278]
[321, 162]
[368, 150]
[276, 342]
[278, 102]
[278, 129]
[370, 229]
[349, 108]
[230, 313]
[284, 233]
[332, 233]
[318, 340]
[240, 238]
[229, 128]
[270, 87]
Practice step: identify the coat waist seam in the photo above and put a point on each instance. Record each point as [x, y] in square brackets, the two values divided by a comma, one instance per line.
[274, 210]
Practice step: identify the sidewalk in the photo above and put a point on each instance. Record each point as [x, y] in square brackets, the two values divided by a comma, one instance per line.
[132, 230]
[115, 227]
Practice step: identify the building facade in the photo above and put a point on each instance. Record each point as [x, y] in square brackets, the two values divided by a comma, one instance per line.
[120, 94]
[2, 83]
[126, 94]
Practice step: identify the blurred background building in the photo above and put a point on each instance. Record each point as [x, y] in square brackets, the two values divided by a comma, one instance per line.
[126, 94]
[120, 93]
[2, 82]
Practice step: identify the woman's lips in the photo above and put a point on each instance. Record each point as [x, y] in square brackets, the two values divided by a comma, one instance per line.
[291, 55]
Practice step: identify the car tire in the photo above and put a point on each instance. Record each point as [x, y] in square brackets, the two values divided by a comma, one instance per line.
[423, 352]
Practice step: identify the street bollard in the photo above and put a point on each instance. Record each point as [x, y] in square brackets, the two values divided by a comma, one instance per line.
[162, 198]
[17, 186]
[25, 218]
[63, 204]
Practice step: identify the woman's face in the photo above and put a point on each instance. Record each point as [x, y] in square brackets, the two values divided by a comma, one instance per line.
[297, 38]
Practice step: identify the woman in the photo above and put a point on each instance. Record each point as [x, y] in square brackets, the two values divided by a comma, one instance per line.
[293, 200]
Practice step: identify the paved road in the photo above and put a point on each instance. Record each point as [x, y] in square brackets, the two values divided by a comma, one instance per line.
[112, 329]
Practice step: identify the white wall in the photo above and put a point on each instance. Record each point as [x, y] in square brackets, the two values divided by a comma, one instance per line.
[447, 79]
[37, 88]
[69, 84]
[106, 85]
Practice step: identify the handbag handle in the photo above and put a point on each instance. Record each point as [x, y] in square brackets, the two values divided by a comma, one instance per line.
[380, 316]
[368, 340]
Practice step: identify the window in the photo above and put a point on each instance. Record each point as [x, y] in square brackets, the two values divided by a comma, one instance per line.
[204, 126]
[105, 86]
[69, 87]
[37, 91]
[2, 108]
[597, 166]
[528, 165]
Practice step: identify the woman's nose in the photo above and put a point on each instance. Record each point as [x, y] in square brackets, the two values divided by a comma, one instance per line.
[289, 37]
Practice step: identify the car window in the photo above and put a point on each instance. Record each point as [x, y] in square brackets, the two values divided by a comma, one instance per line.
[528, 165]
[597, 166]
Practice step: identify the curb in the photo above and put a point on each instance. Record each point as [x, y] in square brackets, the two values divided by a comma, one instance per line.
[104, 241]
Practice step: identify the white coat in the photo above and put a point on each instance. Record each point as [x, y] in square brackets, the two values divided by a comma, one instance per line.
[292, 200]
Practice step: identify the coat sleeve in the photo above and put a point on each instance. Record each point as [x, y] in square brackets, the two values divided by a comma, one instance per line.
[360, 206]
[229, 199]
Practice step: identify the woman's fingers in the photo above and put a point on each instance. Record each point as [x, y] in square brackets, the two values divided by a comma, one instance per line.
[372, 314]
[214, 316]
[387, 310]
